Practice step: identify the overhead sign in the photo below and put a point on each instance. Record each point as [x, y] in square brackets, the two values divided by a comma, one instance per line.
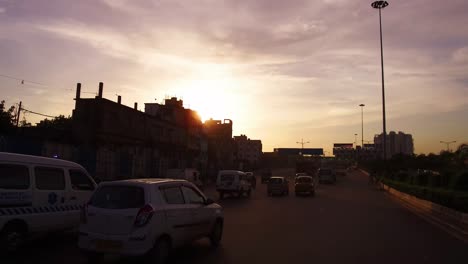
[343, 145]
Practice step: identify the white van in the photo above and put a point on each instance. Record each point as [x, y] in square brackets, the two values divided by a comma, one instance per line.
[188, 174]
[233, 182]
[39, 195]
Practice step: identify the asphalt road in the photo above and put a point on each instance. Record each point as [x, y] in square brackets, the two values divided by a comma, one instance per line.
[349, 222]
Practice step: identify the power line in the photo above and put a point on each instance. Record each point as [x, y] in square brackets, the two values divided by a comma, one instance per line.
[36, 113]
[22, 80]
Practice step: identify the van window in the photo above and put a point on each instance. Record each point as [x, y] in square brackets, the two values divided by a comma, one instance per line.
[191, 196]
[118, 197]
[227, 178]
[49, 178]
[14, 177]
[173, 195]
[80, 181]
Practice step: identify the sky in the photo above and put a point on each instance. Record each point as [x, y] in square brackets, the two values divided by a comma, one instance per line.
[281, 70]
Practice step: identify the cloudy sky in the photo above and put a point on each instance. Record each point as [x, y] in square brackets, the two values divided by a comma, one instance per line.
[281, 70]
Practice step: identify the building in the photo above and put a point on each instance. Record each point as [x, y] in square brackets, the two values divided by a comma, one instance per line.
[247, 152]
[344, 151]
[220, 145]
[397, 143]
[114, 141]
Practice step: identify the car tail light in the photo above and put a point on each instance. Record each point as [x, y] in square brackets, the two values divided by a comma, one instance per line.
[84, 214]
[144, 215]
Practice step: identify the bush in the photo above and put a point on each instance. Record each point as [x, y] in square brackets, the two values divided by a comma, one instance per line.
[460, 182]
[457, 200]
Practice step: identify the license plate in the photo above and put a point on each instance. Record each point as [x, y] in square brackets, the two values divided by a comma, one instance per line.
[108, 245]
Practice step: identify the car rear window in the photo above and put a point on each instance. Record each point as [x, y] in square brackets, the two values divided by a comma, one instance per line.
[14, 177]
[304, 180]
[227, 178]
[276, 180]
[118, 197]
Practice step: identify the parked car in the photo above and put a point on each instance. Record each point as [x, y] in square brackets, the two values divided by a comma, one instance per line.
[38, 196]
[278, 185]
[304, 185]
[252, 179]
[233, 182]
[266, 175]
[326, 175]
[147, 217]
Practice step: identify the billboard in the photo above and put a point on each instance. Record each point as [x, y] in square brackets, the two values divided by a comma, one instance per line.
[343, 145]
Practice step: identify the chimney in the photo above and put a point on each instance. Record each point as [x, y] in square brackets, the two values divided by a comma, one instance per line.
[78, 91]
[101, 87]
[135, 106]
[119, 99]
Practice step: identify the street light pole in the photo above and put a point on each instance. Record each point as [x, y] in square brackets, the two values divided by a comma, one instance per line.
[362, 124]
[380, 5]
[302, 145]
[448, 144]
[355, 138]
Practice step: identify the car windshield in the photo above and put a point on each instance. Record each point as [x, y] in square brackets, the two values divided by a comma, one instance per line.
[276, 180]
[118, 197]
[304, 180]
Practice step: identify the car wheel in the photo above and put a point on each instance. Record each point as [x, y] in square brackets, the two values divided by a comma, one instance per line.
[12, 238]
[216, 234]
[160, 252]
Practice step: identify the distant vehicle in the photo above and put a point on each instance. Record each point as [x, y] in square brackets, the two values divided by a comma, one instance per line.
[233, 182]
[188, 174]
[326, 175]
[147, 217]
[278, 185]
[299, 175]
[39, 195]
[266, 175]
[252, 179]
[304, 185]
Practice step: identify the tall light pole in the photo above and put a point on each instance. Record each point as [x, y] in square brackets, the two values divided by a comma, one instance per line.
[362, 124]
[380, 5]
[355, 139]
[448, 144]
[302, 144]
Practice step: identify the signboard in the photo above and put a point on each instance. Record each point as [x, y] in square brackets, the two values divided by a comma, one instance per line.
[343, 145]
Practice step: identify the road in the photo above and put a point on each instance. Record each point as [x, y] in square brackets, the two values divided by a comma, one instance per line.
[349, 222]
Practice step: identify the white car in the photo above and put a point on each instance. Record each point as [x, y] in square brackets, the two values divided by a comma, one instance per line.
[233, 182]
[38, 196]
[147, 217]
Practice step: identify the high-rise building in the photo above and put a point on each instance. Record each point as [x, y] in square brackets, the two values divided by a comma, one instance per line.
[397, 143]
[247, 151]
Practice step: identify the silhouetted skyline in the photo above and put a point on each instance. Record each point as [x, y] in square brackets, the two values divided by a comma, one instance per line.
[282, 70]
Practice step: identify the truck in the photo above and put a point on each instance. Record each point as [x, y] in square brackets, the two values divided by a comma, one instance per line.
[189, 174]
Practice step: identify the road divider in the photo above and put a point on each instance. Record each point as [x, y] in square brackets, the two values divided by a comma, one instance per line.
[452, 221]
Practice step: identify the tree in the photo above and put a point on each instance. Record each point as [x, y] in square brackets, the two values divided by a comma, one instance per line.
[7, 118]
[60, 122]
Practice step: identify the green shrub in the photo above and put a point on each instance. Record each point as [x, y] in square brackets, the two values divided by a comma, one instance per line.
[460, 182]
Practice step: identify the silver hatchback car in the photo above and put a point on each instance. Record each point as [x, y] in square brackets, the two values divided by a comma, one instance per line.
[147, 217]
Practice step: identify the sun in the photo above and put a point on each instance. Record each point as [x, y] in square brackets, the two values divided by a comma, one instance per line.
[210, 98]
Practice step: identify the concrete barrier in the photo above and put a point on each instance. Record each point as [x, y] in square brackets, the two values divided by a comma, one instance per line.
[453, 221]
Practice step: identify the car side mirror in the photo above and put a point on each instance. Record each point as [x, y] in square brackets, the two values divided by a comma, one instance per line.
[209, 201]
